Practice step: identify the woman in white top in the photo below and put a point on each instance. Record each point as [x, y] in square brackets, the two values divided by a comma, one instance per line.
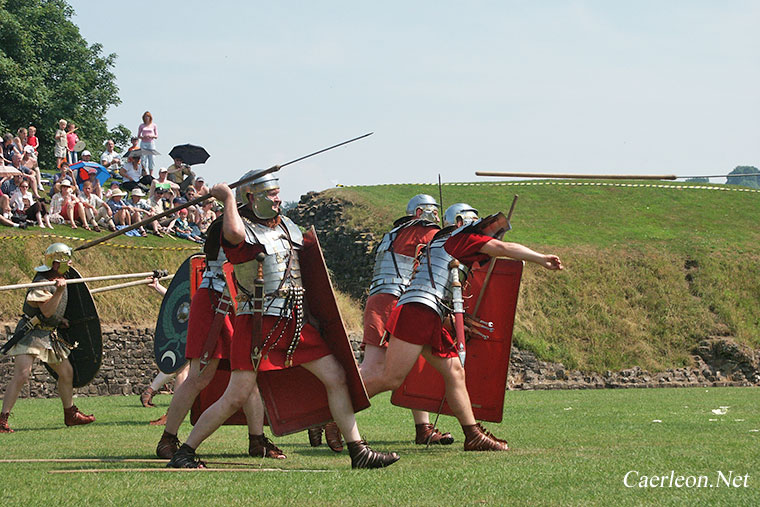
[23, 202]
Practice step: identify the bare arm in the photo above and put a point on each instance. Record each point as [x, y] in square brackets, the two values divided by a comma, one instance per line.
[49, 307]
[232, 224]
[496, 248]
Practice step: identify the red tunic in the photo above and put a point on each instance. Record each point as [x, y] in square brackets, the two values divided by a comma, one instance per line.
[201, 317]
[419, 324]
[378, 307]
[311, 346]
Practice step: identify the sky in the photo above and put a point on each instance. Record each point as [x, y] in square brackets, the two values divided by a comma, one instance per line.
[449, 88]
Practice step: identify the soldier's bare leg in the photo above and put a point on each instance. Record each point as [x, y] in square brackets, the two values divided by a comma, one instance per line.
[254, 412]
[399, 360]
[22, 370]
[238, 391]
[65, 382]
[456, 390]
[185, 394]
[330, 372]
[374, 364]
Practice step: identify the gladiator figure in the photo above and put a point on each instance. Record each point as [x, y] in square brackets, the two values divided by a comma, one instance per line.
[209, 335]
[282, 333]
[418, 324]
[394, 265]
[37, 337]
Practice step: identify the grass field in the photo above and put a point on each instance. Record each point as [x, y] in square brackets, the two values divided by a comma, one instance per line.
[568, 448]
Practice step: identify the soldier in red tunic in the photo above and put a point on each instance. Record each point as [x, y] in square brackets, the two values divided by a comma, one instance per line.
[416, 324]
[211, 302]
[287, 339]
[394, 264]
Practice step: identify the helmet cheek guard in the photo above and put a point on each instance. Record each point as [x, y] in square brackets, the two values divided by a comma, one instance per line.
[261, 204]
[427, 204]
[460, 210]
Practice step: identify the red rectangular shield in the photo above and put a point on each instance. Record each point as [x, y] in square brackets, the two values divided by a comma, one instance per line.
[294, 398]
[487, 362]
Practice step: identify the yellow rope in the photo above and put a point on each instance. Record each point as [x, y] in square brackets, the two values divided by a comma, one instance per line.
[115, 245]
[571, 183]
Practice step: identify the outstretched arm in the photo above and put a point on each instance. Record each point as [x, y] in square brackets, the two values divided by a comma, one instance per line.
[496, 248]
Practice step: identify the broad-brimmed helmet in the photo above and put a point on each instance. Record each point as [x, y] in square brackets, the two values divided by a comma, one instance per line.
[427, 204]
[56, 252]
[462, 210]
[263, 206]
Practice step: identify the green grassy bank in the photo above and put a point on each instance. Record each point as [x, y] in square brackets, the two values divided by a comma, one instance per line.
[651, 269]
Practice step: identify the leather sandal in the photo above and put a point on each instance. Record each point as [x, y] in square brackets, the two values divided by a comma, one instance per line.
[364, 457]
[333, 437]
[478, 438]
[185, 457]
[315, 436]
[260, 446]
[167, 446]
[146, 398]
[73, 417]
[4, 428]
[426, 432]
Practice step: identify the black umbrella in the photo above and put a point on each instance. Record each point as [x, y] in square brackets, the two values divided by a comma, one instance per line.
[190, 154]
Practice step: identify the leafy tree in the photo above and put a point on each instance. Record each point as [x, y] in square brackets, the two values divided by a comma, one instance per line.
[697, 180]
[48, 71]
[745, 181]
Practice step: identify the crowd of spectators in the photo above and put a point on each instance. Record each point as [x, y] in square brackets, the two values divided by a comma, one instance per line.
[76, 198]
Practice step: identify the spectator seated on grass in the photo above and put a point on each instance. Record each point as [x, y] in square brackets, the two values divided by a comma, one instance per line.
[72, 209]
[121, 211]
[6, 214]
[29, 174]
[64, 172]
[26, 208]
[181, 228]
[159, 204]
[110, 159]
[30, 166]
[208, 215]
[97, 211]
[142, 210]
[56, 201]
[200, 186]
[171, 190]
[134, 174]
[181, 174]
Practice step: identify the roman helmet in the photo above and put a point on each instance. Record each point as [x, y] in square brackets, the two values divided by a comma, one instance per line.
[467, 213]
[56, 252]
[427, 204]
[263, 206]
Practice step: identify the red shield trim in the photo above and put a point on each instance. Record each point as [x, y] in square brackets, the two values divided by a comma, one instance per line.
[487, 361]
[294, 398]
[197, 267]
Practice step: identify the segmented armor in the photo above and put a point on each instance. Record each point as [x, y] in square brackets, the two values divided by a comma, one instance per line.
[281, 268]
[431, 284]
[393, 271]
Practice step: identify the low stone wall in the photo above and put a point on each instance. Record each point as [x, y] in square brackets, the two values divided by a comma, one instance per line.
[129, 367]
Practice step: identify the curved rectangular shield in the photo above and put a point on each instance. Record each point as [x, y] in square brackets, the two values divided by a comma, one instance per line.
[487, 363]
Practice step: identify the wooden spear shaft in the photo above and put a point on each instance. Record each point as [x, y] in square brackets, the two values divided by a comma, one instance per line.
[127, 284]
[83, 280]
[205, 197]
[579, 176]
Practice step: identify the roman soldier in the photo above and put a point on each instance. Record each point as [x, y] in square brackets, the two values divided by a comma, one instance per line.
[275, 335]
[209, 335]
[418, 324]
[37, 337]
[394, 264]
